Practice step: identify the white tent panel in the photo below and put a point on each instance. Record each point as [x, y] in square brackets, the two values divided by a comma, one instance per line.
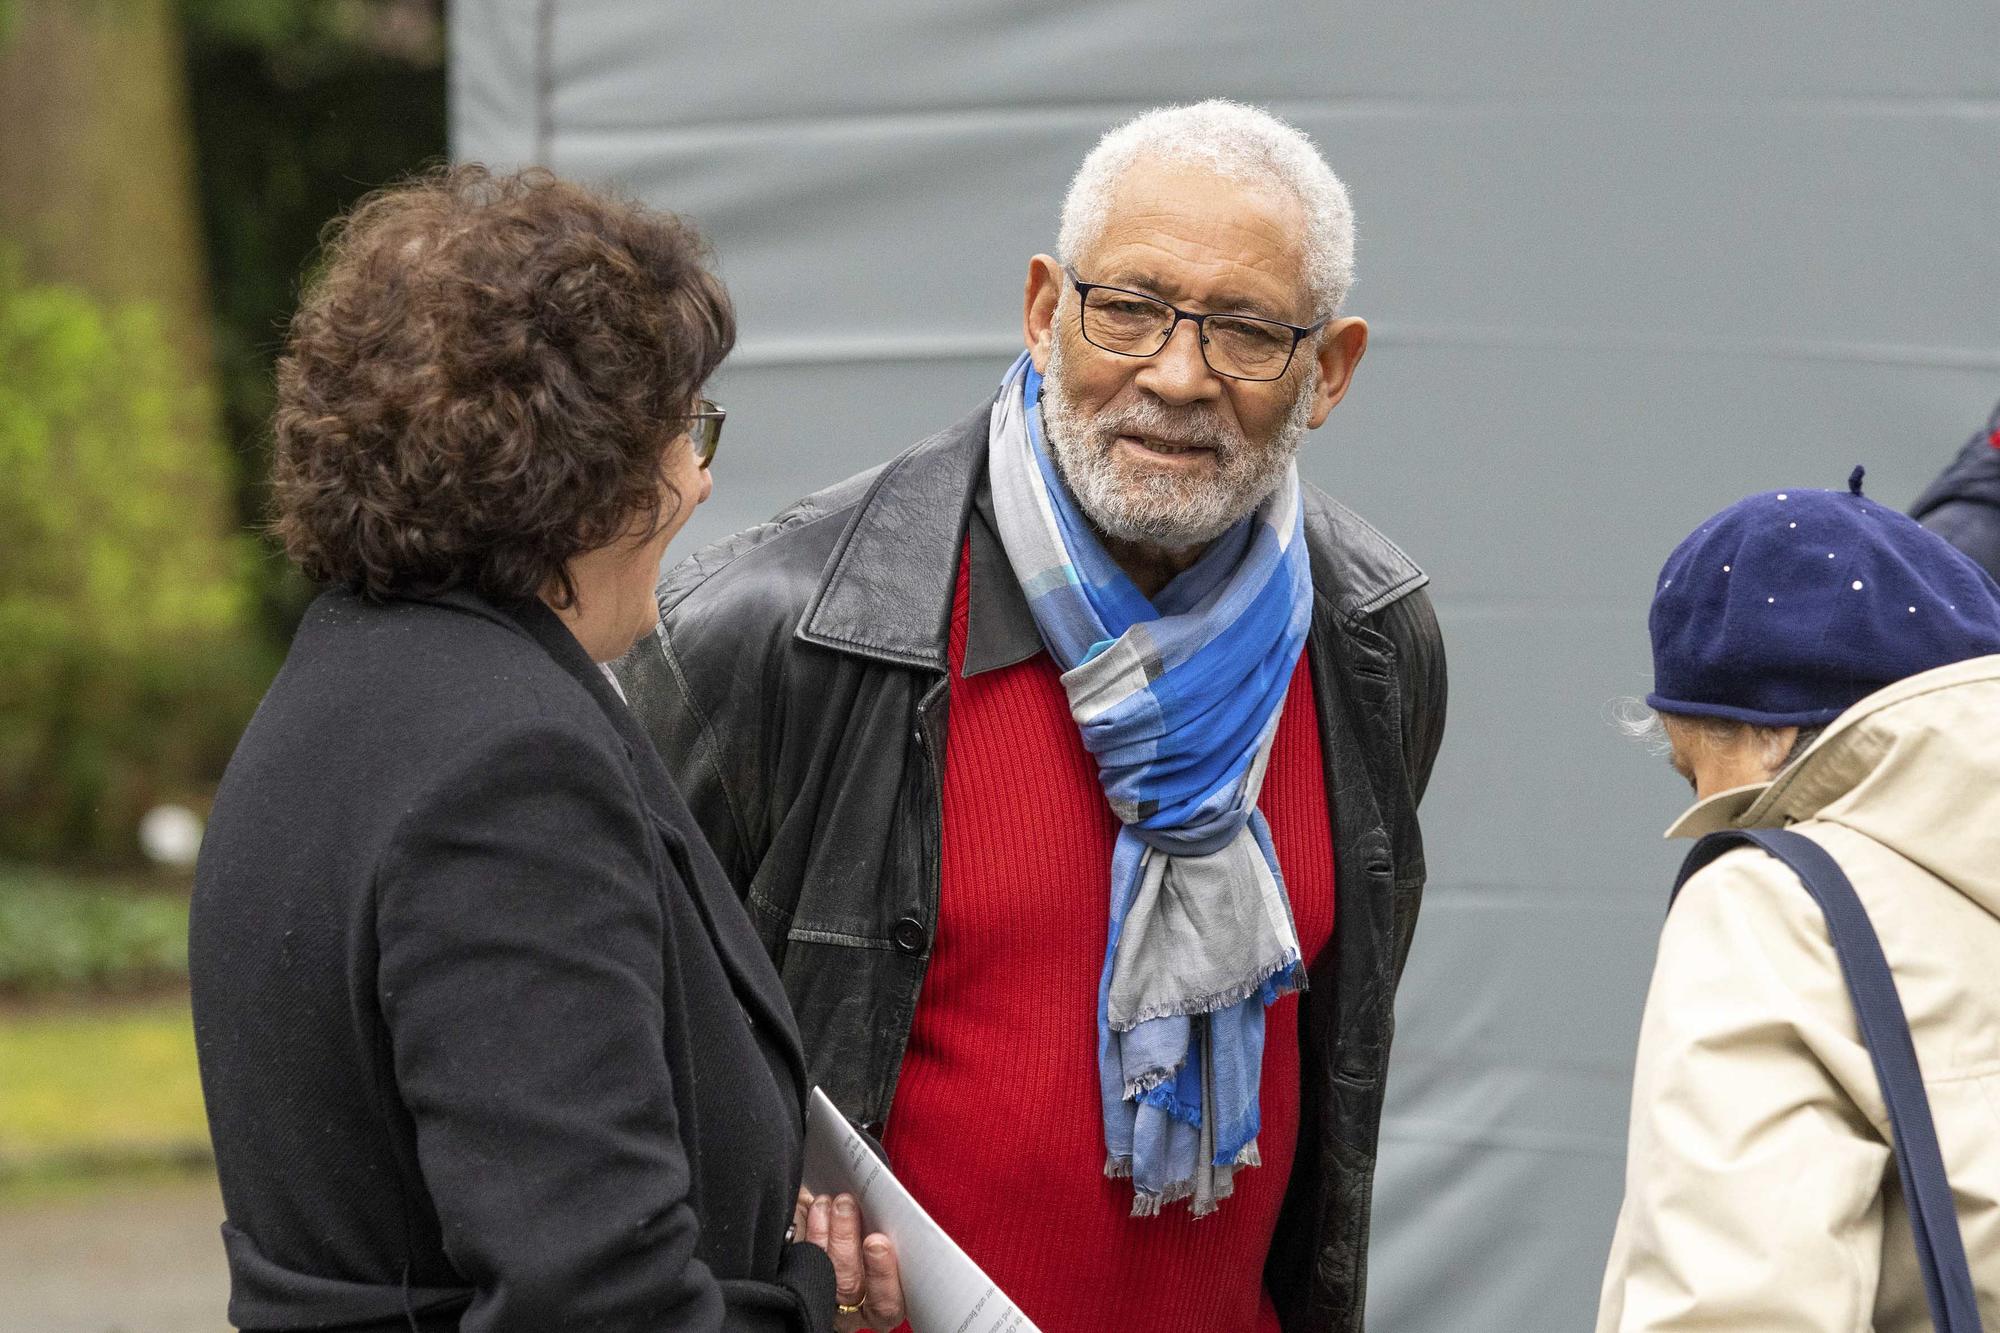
[1624, 264]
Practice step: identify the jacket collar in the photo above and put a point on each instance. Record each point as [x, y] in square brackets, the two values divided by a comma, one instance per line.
[736, 944]
[887, 589]
[886, 592]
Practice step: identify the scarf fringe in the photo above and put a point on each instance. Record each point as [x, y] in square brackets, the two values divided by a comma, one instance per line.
[1149, 1205]
[1222, 999]
[1146, 1204]
[1135, 1088]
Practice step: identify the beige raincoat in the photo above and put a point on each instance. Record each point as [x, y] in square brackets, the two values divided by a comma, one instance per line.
[1760, 1193]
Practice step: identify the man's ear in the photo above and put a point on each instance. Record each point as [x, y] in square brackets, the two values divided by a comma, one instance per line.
[1341, 345]
[1038, 308]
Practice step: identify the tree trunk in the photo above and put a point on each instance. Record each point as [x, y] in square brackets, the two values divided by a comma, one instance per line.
[97, 186]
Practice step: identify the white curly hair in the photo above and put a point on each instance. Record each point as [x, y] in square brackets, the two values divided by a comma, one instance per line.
[1236, 142]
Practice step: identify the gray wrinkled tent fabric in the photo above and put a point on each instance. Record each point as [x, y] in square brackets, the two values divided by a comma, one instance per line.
[1624, 264]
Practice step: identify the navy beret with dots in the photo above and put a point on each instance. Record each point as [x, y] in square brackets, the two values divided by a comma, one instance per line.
[1788, 608]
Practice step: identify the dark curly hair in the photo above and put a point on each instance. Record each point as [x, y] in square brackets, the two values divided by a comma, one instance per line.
[481, 382]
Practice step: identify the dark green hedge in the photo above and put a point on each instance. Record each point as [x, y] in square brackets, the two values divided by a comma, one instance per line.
[60, 935]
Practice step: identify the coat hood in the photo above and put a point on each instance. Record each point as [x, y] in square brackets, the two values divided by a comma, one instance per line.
[1915, 767]
[1973, 475]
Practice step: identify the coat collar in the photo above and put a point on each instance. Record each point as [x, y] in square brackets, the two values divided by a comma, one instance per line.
[749, 970]
[1724, 810]
[1876, 733]
[531, 618]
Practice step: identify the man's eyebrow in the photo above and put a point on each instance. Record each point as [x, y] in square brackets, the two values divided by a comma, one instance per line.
[1235, 303]
[1228, 303]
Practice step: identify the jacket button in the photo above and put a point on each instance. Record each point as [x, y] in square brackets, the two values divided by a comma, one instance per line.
[910, 935]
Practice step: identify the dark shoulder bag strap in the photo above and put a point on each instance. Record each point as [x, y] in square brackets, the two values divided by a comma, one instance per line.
[1933, 1219]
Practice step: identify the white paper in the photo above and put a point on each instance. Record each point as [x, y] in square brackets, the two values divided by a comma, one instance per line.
[943, 1290]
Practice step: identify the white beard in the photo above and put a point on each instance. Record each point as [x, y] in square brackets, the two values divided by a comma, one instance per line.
[1159, 506]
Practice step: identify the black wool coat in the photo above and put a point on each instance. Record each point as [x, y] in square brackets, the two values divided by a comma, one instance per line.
[487, 1041]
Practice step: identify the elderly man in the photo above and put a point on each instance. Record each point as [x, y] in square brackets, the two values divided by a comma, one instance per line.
[1069, 762]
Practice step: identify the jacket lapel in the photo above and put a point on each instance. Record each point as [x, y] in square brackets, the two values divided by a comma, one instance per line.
[887, 589]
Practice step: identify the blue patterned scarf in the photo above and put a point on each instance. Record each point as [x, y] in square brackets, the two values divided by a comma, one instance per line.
[1178, 699]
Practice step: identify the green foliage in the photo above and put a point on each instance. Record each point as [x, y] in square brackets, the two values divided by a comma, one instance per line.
[309, 35]
[132, 642]
[60, 935]
[300, 107]
[125, 659]
[270, 23]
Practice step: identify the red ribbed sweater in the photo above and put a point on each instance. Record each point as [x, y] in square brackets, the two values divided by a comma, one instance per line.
[996, 1126]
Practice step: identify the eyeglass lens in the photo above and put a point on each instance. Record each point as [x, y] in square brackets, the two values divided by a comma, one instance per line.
[705, 430]
[1239, 346]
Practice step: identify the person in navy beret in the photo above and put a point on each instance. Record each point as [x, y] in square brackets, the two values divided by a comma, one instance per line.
[1963, 504]
[1821, 663]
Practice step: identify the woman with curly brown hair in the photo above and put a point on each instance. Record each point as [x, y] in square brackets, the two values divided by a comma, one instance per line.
[487, 1041]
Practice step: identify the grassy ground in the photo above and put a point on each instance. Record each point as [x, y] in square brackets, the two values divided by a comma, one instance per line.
[95, 1091]
[97, 1067]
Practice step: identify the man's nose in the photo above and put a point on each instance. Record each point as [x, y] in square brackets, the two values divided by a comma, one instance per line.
[1177, 373]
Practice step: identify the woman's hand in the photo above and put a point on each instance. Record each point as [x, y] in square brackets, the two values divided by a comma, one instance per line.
[866, 1280]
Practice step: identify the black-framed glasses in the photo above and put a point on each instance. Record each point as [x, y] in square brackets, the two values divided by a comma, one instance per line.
[1237, 347]
[705, 429]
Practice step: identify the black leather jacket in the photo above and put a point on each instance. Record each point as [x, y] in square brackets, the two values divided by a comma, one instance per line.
[797, 691]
